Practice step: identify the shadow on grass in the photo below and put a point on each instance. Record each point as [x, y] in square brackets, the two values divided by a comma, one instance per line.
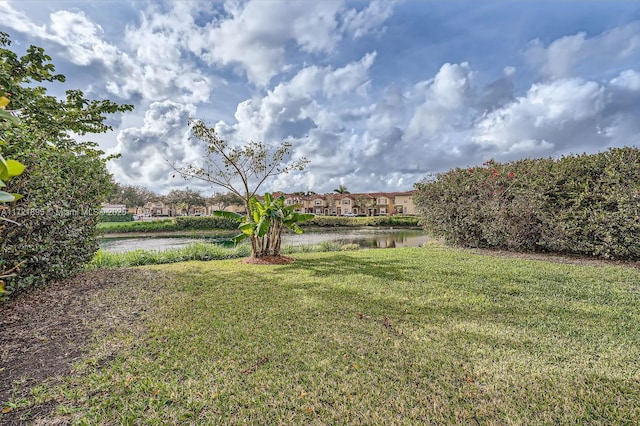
[345, 265]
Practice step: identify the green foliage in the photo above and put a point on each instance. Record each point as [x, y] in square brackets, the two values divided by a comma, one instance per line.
[197, 251]
[116, 217]
[204, 222]
[339, 221]
[143, 226]
[181, 223]
[8, 170]
[67, 179]
[184, 199]
[587, 204]
[265, 223]
[131, 196]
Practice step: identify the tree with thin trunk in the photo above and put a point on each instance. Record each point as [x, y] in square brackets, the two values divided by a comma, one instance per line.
[241, 170]
[341, 190]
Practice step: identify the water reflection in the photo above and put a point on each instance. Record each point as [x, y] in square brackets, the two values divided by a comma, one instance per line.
[365, 238]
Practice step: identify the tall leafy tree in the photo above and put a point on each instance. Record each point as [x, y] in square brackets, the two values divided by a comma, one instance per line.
[131, 196]
[8, 170]
[224, 200]
[67, 178]
[186, 198]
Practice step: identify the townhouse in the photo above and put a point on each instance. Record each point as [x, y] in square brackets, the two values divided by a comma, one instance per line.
[363, 204]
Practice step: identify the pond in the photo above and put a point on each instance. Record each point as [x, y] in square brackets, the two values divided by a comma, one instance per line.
[365, 238]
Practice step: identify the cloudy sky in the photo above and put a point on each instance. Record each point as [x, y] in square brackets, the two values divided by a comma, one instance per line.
[377, 95]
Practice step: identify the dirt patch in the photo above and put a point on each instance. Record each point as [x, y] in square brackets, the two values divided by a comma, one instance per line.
[268, 260]
[43, 333]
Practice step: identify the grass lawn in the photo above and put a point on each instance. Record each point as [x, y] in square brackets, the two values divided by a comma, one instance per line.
[403, 336]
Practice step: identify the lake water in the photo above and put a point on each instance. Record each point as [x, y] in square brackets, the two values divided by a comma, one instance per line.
[365, 238]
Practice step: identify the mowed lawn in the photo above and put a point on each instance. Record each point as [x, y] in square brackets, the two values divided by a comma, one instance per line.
[403, 336]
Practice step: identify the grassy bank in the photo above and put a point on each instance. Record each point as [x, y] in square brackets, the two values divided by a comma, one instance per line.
[211, 223]
[406, 336]
[198, 251]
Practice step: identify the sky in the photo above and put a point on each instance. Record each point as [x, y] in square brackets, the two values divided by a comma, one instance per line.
[376, 95]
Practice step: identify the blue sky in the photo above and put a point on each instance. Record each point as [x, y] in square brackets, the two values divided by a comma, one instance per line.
[377, 95]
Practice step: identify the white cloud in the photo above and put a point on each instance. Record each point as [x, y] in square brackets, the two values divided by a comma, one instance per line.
[550, 115]
[446, 102]
[158, 70]
[164, 136]
[563, 56]
[255, 36]
[291, 109]
[370, 19]
[627, 80]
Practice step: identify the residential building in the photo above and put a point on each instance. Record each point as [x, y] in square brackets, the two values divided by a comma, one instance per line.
[362, 204]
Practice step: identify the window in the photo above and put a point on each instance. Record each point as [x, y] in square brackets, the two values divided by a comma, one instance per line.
[383, 210]
[289, 201]
[382, 201]
[346, 202]
[318, 202]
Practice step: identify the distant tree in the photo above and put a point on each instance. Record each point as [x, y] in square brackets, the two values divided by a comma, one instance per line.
[225, 200]
[132, 196]
[341, 190]
[305, 194]
[185, 198]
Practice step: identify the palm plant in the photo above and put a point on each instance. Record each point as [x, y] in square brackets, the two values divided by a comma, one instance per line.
[265, 222]
[341, 190]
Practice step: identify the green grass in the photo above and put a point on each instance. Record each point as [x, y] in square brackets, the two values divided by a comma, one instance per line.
[196, 251]
[406, 336]
[199, 251]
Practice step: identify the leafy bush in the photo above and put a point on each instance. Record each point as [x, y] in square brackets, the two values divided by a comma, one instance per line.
[116, 217]
[587, 204]
[337, 221]
[66, 181]
[205, 222]
[181, 223]
[57, 233]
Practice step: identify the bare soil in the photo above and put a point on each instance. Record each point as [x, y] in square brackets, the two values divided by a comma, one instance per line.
[44, 332]
[268, 260]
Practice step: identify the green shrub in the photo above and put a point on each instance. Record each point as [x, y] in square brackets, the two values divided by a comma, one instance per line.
[205, 222]
[180, 223]
[116, 217]
[57, 233]
[66, 179]
[338, 221]
[587, 204]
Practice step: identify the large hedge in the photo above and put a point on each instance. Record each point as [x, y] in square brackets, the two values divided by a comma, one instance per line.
[586, 204]
[65, 180]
